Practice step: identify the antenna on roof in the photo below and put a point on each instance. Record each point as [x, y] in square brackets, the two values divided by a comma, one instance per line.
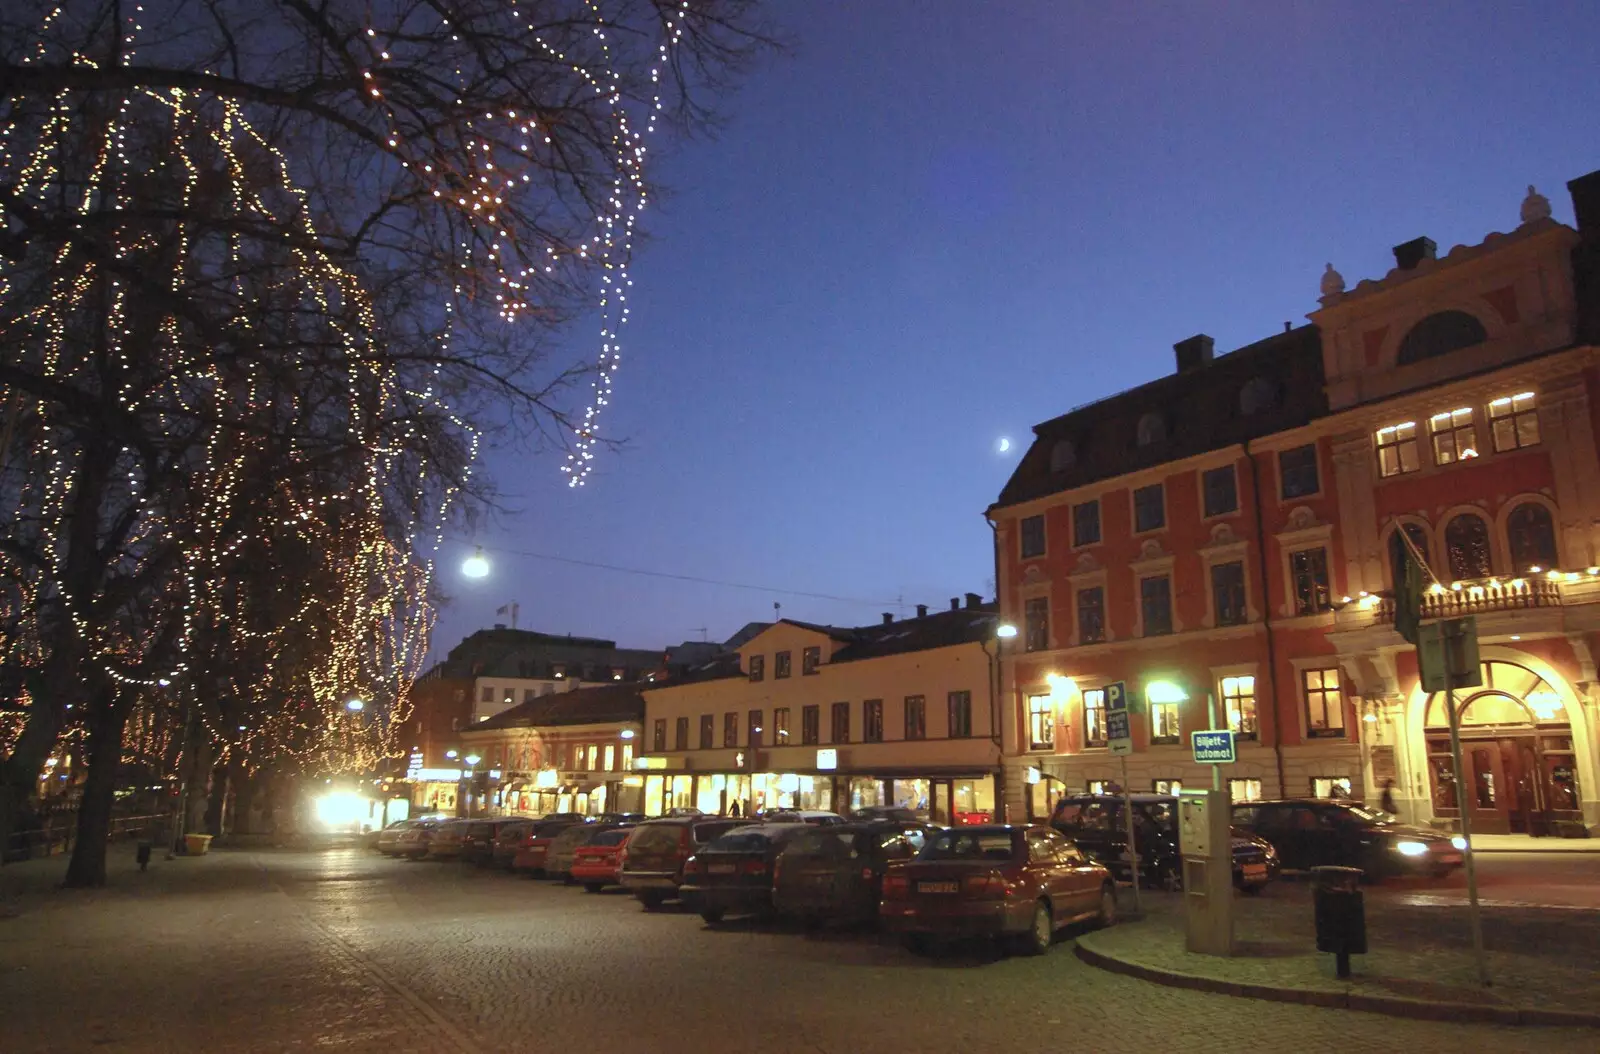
[777, 611]
[702, 631]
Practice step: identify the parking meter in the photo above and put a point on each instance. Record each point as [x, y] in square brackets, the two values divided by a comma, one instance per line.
[1205, 838]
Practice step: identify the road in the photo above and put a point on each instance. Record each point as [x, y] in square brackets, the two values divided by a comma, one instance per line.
[345, 951]
[1547, 880]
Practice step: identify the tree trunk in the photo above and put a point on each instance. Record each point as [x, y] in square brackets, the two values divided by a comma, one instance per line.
[199, 799]
[87, 868]
[216, 804]
[244, 801]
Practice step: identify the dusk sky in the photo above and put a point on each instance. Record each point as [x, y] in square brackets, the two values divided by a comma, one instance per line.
[936, 224]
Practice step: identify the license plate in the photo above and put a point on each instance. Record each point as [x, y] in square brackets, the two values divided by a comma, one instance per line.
[722, 869]
[1255, 871]
[1448, 858]
[938, 887]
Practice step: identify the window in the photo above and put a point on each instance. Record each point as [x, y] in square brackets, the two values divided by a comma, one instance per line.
[1086, 523]
[810, 659]
[1297, 472]
[811, 725]
[780, 666]
[1440, 334]
[730, 729]
[758, 667]
[1514, 422]
[1221, 491]
[487, 695]
[780, 725]
[1308, 573]
[1164, 723]
[1155, 602]
[1149, 508]
[708, 731]
[1397, 449]
[1063, 455]
[1454, 438]
[960, 704]
[1258, 395]
[1324, 701]
[611, 757]
[1330, 787]
[1152, 429]
[529, 695]
[916, 717]
[839, 732]
[593, 752]
[1531, 534]
[1166, 786]
[1227, 593]
[680, 735]
[872, 721]
[558, 671]
[1466, 546]
[627, 757]
[659, 739]
[1239, 702]
[1094, 717]
[1244, 790]
[753, 729]
[1036, 624]
[1099, 787]
[1041, 722]
[1032, 536]
[1091, 615]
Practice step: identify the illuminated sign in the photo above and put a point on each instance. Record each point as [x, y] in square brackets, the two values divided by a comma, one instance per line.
[433, 774]
[827, 759]
[649, 763]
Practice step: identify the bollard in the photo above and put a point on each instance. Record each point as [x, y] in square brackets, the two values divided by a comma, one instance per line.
[1341, 914]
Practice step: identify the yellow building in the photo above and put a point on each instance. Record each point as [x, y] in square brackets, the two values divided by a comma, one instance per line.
[823, 717]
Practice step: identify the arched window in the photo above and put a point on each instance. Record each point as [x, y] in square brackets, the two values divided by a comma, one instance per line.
[1419, 538]
[1063, 455]
[1441, 334]
[1531, 536]
[1466, 547]
[1152, 429]
[1258, 395]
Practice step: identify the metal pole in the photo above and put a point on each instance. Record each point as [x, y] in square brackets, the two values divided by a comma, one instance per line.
[1211, 717]
[1127, 823]
[1462, 804]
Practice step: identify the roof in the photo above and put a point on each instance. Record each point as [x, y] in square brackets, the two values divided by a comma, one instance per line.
[938, 629]
[582, 706]
[524, 653]
[1199, 409]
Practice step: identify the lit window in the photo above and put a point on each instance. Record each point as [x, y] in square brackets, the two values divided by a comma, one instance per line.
[1042, 722]
[1166, 786]
[1164, 723]
[1324, 702]
[1099, 787]
[627, 756]
[1308, 573]
[1397, 449]
[1514, 420]
[611, 757]
[1330, 787]
[1454, 438]
[1239, 700]
[1094, 717]
[1244, 790]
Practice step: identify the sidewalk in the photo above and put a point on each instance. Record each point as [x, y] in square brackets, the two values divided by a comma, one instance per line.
[1521, 843]
[1543, 964]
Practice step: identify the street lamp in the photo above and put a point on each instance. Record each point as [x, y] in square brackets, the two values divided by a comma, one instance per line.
[626, 733]
[450, 754]
[1005, 631]
[476, 565]
[1165, 692]
[355, 706]
[1002, 633]
[472, 760]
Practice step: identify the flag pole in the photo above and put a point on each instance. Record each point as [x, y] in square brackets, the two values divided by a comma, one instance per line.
[1473, 912]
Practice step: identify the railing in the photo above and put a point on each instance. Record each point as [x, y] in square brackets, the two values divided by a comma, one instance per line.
[1480, 596]
[58, 831]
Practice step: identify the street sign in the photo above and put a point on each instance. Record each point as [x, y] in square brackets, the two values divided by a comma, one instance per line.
[1119, 727]
[1214, 747]
[1447, 654]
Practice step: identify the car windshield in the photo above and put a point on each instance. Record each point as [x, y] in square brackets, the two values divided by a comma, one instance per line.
[747, 841]
[655, 838]
[813, 843]
[969, 845]
[609, 838]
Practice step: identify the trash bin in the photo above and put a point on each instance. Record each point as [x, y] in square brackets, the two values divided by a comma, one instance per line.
[1341, 913]
[199, 844]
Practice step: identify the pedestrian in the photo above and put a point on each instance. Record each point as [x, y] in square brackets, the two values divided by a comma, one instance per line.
[142, 853]
[1386, 801]
[734, 812]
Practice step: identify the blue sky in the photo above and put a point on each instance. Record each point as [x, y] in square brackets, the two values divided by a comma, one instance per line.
[935, 224]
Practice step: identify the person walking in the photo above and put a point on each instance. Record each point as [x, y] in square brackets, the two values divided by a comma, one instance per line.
[1386, 800]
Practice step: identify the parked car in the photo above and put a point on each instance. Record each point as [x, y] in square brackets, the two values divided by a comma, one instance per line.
[388, 841]
[1312, 832]
[619, 817]
[678, 811]
[1017, 884]
[558, 857]
[413, 841]
[508, 842]
[569, 817]
[597, 864]
[535, 845]
[654, 855]
[1095, 823]
[836, 872]
[477, 844]
[896, 813]
[819, 817]
[446, 841]
[732, 873]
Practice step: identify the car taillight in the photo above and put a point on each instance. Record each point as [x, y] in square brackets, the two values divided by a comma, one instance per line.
[896, 887]
[755, 867]
[866, 874]
[984, 887]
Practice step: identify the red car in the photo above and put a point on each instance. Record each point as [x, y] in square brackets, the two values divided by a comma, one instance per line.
[599, 864]
[1017, 884]
[535, 844]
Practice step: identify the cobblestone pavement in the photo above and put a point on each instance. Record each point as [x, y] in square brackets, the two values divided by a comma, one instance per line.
[350, 952]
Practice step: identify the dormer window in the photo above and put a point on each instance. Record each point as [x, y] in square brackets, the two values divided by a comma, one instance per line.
[1063, 455]
[1258, 395]
[1152, 429]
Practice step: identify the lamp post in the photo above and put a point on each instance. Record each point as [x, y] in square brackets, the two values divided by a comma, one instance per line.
[476, 565]
[1002, 633]
[471, 761]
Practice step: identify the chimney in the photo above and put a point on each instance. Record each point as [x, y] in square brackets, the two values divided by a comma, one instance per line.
[1408, 254]
[973, 600]
[955, 603]
[922, 611]
[887, 618]
[1194, 352]
[499, 625]
[1585, 191]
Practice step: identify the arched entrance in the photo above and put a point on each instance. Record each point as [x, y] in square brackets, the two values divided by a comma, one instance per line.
[1518, 756]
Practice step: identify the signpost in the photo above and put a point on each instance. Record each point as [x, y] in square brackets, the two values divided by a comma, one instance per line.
[1119, 737]
[1213, 747]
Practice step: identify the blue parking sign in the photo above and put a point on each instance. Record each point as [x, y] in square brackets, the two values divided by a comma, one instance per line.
[1116, 697]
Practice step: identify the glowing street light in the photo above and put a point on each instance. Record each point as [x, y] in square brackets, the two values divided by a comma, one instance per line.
[355, 705]
[1005, 631]
[450, 754]
[472, 760]
[626, 733]
[1165, 692]
[476, 565]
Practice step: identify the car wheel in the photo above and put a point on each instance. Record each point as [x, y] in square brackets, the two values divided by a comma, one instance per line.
[712, 915]
[1108, 906]
[567, 880]
[915, 943]
[593, 887]
[1041, 931]
[652, 900]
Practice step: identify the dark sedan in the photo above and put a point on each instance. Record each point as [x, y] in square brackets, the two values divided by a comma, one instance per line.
[1311, 832]
[836, 873]
[1095, 823]
[732, 874]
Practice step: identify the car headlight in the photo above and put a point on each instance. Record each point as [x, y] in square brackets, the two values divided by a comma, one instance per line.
[1459, 842]
[1410, 848]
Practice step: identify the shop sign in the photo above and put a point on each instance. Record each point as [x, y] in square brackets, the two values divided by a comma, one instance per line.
[1213, 747]
[440, 775]
[649, 763]
[827, 759]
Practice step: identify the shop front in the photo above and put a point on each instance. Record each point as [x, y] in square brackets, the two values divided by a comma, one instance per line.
[954, 798]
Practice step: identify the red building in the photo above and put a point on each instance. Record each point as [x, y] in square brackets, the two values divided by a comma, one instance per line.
[1224, 532]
